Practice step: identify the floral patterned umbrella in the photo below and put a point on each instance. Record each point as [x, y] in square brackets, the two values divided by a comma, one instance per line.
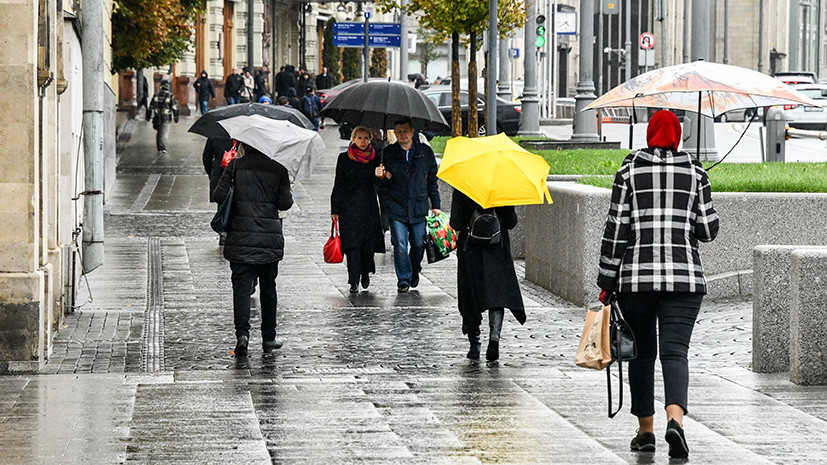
[713, 87]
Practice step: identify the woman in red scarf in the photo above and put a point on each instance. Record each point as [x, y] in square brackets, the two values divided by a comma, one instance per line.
[355, 204]
[661, 209]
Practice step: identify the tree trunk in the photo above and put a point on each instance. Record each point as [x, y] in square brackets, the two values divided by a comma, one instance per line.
[456, 111]
[473, 123]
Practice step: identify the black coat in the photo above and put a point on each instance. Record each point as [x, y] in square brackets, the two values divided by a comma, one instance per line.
[323, 81]
[354, 200]
[233, 85]
[204, 89]
[405, 195]
[211, 157]
[260, 189]
[284, 80]
[485, 274]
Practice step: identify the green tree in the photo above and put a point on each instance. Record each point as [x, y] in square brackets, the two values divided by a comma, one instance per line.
[331, 54]
[152, 33]
[459, 18]
[378, 63]
[350, 63]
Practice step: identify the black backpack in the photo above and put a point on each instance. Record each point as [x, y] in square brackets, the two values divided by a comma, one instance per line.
[484, 228]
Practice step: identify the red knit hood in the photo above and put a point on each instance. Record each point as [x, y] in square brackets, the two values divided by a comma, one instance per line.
[664, 131]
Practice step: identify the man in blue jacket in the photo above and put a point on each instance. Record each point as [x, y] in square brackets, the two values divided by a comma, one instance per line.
[408, 173]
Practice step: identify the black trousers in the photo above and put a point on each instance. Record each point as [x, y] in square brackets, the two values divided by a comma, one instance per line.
[359, 263]
[674, 314]
[244, 278]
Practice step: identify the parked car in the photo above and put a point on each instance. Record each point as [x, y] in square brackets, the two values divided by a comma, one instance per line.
[807, 116]
[796, 77]
[508, 113]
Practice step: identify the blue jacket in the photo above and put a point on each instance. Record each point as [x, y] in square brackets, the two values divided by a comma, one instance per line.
[405, 196]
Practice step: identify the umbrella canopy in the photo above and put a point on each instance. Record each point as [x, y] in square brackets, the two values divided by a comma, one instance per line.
[716, 88]
[378, 104]
[494, 171]
[296, 148]
[207, 125]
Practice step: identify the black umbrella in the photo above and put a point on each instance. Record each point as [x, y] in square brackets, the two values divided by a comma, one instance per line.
[378, 104]
[207, 125]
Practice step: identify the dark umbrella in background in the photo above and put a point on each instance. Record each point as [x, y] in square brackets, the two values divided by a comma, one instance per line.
[206, 125]
[378, 104]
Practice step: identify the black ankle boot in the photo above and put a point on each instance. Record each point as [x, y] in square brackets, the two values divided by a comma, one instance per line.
[474, 351]
[241, 346]
[493, 352]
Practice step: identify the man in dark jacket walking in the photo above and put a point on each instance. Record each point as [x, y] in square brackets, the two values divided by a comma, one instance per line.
[323, 80]
[204, 91]
[285, 80]
[164, 107]
[232, 87]
[409, 180]
[311, 106]
[255, 242]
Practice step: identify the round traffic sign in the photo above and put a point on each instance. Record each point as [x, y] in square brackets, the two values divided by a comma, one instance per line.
[647, 41]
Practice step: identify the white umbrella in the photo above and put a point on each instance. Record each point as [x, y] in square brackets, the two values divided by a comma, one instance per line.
[297, 149]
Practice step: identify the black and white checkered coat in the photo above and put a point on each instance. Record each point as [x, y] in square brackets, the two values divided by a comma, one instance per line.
[661, 207]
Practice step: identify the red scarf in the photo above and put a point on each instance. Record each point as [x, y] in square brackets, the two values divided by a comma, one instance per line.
[362, 156]
[664, 131]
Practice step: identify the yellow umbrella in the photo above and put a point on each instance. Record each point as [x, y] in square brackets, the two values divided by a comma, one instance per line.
[494, 171]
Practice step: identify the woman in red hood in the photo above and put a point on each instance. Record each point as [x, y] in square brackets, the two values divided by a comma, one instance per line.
[661, 208]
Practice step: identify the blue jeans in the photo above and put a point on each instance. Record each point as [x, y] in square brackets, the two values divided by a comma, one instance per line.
[233, 100]
[203, 106]
[407, 263]
[316, 120]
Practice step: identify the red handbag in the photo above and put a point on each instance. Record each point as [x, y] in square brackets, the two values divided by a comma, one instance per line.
[333, 246]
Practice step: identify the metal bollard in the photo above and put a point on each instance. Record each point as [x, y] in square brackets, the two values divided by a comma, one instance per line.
[775, 148]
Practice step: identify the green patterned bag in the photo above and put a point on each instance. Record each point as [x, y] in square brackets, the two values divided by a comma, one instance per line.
[443, 237]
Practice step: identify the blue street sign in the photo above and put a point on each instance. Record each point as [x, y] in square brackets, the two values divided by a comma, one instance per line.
[344, 40]
[353, 35]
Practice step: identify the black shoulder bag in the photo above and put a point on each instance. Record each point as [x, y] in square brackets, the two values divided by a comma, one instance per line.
[623, 347]
[221, 221]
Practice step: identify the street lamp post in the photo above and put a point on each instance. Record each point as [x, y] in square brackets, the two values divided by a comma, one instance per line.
[585, 125]
[530, 103]
[700, 142]
[491, 70]
[403, 45]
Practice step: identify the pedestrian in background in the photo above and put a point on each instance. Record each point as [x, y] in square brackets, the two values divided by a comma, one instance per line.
[162, 111]
[232, 87]
[144, 95]
[204, 91]
[323, 80]
[354, 203]
[408, 180]
[293, 100]
[212, 156]
[661, 207]
[285, 80]
[255, 242]
[311, 106]
[486, 279]
[260, 89]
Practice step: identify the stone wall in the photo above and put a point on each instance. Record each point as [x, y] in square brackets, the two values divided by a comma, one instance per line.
[563, 239]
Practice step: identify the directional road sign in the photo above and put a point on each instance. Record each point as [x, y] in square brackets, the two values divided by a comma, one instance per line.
[379, 35]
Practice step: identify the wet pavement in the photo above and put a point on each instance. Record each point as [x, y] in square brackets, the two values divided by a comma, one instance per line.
[143, 373]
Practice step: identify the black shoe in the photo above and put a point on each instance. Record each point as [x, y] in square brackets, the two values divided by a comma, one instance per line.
[269, 346]
[493, 352]
[354, 288]
[677, 441]
[365, 281]
[241, 346]
[474, 351]
[643, 442]
[415, 280]
[403, 289]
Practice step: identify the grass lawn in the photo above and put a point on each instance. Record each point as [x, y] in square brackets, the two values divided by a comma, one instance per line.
[755, 177]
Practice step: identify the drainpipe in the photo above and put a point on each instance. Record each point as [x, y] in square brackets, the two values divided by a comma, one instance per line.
[93, 78]
[251, 39]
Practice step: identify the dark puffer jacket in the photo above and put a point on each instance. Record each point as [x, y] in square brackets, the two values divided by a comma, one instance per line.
[260, 189]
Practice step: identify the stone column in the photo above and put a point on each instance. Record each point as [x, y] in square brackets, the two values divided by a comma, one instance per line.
[22, 283]
[808, 333]
[585, 124]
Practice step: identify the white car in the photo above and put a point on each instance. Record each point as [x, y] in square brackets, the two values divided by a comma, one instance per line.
[807, 116]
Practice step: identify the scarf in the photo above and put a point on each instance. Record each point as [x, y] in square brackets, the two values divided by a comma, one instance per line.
[664, 131]
[362, 156]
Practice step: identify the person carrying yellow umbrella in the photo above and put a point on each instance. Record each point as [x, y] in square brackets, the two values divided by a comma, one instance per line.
[490, 175]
